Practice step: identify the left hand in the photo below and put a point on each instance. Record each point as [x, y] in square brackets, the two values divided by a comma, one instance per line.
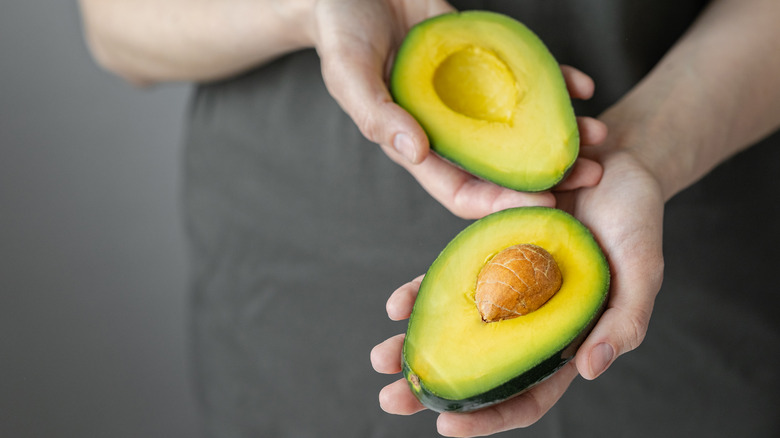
[356, 41]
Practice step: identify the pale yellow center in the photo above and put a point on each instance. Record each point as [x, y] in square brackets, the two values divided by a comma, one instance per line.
[478, 84]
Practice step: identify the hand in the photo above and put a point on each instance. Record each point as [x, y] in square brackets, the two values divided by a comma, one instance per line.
[356, 41]
[625, 213]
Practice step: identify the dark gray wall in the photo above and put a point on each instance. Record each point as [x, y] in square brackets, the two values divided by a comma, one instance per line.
[92, 266]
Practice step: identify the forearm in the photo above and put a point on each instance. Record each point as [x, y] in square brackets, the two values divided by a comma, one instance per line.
[148, 41]
[715, 93]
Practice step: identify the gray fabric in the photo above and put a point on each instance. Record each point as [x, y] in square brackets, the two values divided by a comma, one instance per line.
[300, 229]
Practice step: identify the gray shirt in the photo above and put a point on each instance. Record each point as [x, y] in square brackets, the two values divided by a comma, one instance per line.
[300, 229]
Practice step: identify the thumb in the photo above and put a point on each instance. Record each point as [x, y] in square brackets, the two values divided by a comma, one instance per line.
[616, 333]
[621, 328]
[354, 78]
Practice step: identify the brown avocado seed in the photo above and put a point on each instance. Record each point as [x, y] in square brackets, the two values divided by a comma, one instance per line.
[515, 282]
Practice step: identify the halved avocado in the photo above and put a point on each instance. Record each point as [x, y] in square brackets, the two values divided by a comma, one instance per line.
[490, 97]
[455, 361]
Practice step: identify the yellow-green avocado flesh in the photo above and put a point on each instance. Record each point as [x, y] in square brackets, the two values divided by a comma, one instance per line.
[490, 96]
[453, 360]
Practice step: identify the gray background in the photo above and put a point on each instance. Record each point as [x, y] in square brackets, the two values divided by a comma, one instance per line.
[92, 262]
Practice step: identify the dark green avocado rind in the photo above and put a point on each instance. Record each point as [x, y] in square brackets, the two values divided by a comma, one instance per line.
[512, 388]
[505, 391]
[505, 182]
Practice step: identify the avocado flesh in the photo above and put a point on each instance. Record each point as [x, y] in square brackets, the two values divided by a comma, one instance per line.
[455, 361]
[490, 97]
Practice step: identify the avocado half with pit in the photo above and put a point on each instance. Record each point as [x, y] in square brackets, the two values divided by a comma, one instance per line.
[490, 96]
[466, 346]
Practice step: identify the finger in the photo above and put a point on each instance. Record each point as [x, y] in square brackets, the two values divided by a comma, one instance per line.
[467, 196]
[620, 330]
[386, 357]
[623, 326]
[580, 85]
[521, 411]
[353, 75]
[416, 11]
[592, 131]
[584, 173]
[399, 305]
[438, 7]
[396, 398]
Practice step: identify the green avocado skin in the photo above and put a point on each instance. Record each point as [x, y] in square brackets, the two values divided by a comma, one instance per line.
[514, 387]
[511, 388]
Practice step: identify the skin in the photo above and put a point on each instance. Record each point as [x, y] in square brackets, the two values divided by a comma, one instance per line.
[714, 94]
[150, 41]
[690, 113]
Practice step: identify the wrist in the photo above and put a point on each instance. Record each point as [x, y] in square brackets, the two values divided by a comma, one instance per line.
[651, 142]
[297, 16]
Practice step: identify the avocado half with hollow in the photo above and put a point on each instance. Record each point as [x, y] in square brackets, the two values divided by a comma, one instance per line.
[490, 96]
[457, 357]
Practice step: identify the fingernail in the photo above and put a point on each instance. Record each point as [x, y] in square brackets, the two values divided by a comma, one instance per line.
[404, 145]
[600, 357]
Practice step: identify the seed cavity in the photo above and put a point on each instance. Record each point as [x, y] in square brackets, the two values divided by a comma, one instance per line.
[475, 82]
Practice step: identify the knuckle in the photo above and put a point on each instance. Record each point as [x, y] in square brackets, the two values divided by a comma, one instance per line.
[368, 126]
[466, 205]
[533, 413]
[636, 329]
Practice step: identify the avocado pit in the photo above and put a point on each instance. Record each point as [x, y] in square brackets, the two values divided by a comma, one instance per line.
[515, 282]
